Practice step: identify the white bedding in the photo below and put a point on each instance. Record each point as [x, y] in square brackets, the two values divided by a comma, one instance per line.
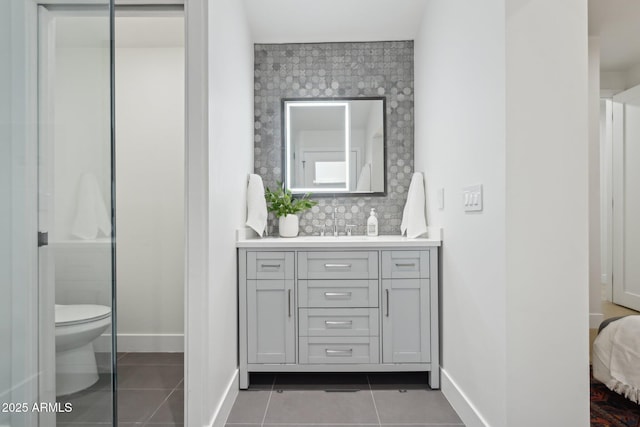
[616, 357]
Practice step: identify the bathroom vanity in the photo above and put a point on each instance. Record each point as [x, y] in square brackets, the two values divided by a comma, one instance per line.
[345, 304]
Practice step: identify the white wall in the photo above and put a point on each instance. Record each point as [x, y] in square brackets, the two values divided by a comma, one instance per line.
[81, 135]
[230, 123]
[6, 192]
[460, 141]
[489, 110]
[19, 369]
[547, 213]
[595, 206]
[150, 196]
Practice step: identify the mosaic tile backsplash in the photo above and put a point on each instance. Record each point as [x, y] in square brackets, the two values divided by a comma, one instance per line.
[325, 70]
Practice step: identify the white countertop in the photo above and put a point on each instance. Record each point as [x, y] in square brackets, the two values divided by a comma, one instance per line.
[336, 242]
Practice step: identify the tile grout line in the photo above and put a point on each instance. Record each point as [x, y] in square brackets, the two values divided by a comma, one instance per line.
[374, 401]
[273, 384]
[146, 422]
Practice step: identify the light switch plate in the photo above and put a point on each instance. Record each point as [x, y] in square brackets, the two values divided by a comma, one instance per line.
[472, 198]
[441, 198]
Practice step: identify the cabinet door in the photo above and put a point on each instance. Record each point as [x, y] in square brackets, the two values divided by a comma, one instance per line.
[270, 321]
[405, 321]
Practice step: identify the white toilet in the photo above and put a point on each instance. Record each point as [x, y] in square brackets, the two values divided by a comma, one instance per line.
[76, 328]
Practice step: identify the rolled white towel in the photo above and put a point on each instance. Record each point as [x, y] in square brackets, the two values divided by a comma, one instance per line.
[256, 205]
[91, 216]
[414, 221]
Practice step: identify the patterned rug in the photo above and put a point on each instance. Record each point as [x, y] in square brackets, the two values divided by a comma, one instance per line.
[609, 409]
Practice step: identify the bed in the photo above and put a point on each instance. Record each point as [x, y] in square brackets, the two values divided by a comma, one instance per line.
[616, 356]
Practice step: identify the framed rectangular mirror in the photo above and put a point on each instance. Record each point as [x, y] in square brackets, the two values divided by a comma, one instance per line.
[334, 145]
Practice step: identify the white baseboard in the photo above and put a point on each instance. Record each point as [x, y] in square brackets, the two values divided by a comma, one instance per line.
[223, 410]
[134, 343]
[595, 319]
[462, 405]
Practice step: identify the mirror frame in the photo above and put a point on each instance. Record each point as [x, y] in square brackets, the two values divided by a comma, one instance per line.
[333, 194]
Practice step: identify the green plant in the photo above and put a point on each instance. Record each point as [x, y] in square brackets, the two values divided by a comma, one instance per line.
[282, 202]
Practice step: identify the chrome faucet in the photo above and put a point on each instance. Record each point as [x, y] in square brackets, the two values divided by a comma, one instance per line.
[335, 223]
[349, 228]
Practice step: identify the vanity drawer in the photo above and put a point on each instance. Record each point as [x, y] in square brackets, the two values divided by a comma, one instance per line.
[327, 322]
[405, 264]
[337, 293]
[270, 265]
[338, 265]
[335, 350]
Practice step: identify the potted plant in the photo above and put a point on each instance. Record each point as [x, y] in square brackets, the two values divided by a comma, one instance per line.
[285, 206]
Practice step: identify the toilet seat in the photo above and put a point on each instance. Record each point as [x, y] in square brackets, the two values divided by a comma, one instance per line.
[77, 314]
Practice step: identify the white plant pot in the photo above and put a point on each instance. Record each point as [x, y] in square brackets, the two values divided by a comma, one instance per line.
[288, 225]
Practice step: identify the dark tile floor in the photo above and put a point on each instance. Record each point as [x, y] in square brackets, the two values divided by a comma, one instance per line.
[150, 393]
[339, 400]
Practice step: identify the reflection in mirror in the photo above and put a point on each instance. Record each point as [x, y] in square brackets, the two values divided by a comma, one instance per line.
[334, 145]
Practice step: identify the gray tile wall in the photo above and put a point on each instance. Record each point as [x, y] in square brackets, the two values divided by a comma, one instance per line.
[328, 70]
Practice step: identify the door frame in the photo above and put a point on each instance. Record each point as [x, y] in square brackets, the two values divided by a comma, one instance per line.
[618, 188]
[196, 186]
[196, 15]
[606, 193]
[43, 24]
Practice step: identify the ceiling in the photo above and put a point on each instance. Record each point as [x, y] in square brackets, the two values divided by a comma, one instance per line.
[617, 24]
[306, 21]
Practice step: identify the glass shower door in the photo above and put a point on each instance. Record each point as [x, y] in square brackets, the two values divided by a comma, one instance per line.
[75, 209]
[56, 226]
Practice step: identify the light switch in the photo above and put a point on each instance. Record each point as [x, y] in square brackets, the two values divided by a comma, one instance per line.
[441, 198]
[472, 198]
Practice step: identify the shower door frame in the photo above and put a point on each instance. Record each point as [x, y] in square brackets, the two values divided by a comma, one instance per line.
[41, 17]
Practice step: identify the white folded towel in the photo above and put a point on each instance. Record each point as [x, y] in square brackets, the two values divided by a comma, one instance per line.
[414, 221]
[91, 212]
[256, 205]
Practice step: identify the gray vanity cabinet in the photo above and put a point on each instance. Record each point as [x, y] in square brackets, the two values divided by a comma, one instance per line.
[406, 319]
[350, 308]
[270, 307]
[405, 326]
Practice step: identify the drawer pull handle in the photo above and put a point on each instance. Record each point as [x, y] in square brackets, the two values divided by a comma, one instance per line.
[289, 301]
[338, 353]
[330, 324]
[387, 291]
[337, 294]
[270, 265]
[337, 266]
[399, 264]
